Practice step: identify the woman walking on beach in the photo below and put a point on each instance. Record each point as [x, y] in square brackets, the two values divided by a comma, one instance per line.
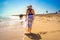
[30, 16]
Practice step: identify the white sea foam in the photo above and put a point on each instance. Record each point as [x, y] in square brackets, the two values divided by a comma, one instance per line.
[6, 21]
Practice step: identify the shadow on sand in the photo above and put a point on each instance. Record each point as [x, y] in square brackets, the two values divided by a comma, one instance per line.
[33, 36]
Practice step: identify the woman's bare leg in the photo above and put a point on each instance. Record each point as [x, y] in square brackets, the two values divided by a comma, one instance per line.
[29, 29]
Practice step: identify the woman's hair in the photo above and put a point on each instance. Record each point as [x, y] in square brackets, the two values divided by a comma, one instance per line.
[29, 6]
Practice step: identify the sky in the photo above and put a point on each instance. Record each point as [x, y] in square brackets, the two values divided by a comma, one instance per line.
[16, 7]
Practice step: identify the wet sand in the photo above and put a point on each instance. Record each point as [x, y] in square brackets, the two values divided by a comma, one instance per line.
[12, 32]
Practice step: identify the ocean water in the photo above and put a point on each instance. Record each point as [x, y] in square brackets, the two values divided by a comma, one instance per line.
[9, 20]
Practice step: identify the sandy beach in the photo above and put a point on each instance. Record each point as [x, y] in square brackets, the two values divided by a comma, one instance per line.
[29, 19]
[45, 27]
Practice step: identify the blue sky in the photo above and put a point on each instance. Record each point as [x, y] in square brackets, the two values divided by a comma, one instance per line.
[15, 7]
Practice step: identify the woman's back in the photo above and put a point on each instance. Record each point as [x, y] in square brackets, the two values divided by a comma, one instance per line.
[30, 11]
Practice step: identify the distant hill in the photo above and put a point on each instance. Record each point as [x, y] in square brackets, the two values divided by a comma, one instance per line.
[55, 14]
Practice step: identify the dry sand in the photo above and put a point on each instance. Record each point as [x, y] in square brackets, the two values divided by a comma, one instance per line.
[45, 27]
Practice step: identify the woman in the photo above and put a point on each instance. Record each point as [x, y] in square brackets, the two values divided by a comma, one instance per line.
[30, 15]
